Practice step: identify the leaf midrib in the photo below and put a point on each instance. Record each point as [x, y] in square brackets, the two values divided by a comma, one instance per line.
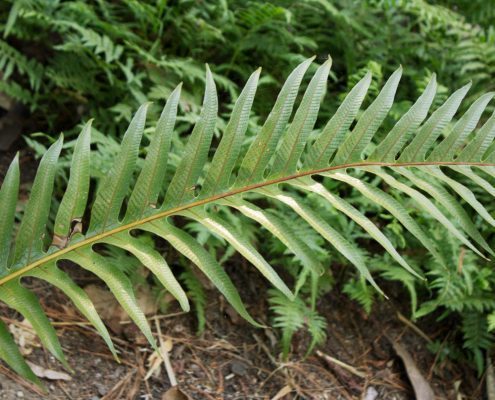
[132, 225]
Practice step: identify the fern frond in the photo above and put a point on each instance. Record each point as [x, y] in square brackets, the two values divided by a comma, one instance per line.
[477, 338]
[358, 290]
[290, 316]
[196, 293]
[284, 163]
[11, 60]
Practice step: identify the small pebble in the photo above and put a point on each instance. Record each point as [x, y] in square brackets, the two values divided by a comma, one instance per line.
[20, 394]
[102, 390]
[238, 368]
[371, 393]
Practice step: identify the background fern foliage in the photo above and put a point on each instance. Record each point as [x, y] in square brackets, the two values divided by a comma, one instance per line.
[67, 60]
[289, 160]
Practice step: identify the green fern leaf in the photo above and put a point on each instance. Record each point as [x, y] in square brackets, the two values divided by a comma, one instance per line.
[278, 170]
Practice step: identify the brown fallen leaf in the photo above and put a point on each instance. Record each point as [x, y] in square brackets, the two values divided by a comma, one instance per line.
[282, 392]
[110, 310]
[155, 360]
[107, 307]
[422, 388]
[174, 393]
[24, 336]
[42, 372]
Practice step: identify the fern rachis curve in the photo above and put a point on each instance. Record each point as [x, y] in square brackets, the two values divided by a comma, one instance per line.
[136, 224]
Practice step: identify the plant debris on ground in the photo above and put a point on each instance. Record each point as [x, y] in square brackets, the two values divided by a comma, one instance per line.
[232, 360]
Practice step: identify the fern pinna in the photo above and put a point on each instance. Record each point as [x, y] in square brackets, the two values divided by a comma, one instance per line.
[281, 164]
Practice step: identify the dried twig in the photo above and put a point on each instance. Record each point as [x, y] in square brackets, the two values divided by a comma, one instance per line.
[413, 327]
[164, 353]
[347, 367]
[21, 381]
[155, 317]
[118, 389]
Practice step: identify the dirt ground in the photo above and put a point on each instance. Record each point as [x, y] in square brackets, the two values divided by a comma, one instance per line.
[233, 360]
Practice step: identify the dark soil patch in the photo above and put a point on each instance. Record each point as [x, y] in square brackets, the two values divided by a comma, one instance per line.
[233, 360]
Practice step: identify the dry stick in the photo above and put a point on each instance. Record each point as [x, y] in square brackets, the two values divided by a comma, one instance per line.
[208, 373]
[21, 381]
[265, 349]
[220, 385]
[341, 364]
[165, 356]
[409, 324]
[293, 384]
[280, 366]
[73, 323]
[334, 380]
[156, 317]
[119, 385]
[205, 394]
[108, 357]
[315, 387]
[138, 378]
[437, 356]
[286, 390]
[62, 387]
[419, 383]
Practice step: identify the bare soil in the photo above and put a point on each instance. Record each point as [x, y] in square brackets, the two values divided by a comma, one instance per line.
[232, 360]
